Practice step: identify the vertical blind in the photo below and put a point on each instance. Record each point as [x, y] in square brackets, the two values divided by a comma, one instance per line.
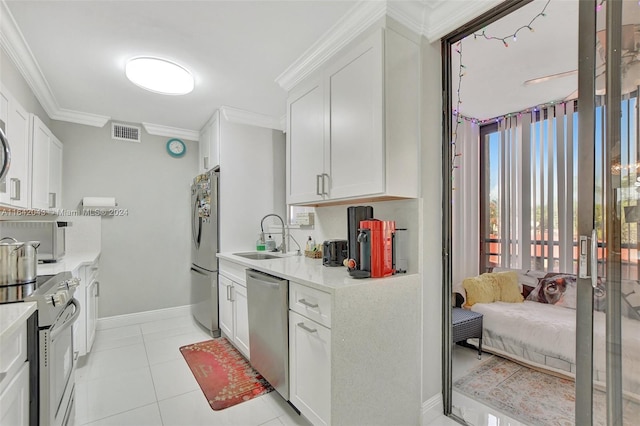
[536, 189]
[537, 154]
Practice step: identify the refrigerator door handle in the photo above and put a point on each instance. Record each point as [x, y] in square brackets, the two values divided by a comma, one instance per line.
[196, 230]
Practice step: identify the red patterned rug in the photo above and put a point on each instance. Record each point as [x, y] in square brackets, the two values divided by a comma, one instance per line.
[224, 375]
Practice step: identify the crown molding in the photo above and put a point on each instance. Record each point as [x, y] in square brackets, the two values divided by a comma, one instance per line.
[79, 117]
[411, 14]
[241, 116]
[450, 15]
[13, 42]
[356, 20]
[171, 132]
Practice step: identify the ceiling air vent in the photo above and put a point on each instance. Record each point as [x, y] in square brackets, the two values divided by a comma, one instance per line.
[125, 132]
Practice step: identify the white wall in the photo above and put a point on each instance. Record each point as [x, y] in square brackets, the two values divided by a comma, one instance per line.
[145, 254]
[17, 85]
[431, 250]
[252, 177]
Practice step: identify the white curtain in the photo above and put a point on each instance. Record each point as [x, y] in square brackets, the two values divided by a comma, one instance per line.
[466, 207]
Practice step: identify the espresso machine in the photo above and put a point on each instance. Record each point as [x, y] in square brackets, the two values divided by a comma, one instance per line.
[371, 249]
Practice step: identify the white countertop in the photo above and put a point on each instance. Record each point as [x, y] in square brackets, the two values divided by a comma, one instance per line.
[69, 262]
[13, 316]
[305, 270]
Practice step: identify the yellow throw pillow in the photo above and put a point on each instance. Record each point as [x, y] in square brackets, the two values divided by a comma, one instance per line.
[481, 290]
[508, 284]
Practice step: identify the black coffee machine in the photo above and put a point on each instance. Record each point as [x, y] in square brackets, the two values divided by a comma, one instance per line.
[355, 215]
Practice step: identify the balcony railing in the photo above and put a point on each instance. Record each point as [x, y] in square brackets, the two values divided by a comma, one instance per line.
[540, 258]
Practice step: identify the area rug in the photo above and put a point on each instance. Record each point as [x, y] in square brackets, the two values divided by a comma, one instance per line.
[530, 396]
[224, 375]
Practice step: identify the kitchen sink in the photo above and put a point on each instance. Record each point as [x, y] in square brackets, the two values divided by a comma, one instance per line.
[256, 256]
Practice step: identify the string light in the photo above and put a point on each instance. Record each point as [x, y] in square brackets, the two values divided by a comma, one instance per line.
[534, 109]
[461, 73]
[513, 36]
[454, 143]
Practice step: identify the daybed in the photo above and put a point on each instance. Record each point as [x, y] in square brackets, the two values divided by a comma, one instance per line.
[543, 335]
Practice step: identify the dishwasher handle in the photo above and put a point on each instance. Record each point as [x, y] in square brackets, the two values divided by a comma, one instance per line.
[264, 278]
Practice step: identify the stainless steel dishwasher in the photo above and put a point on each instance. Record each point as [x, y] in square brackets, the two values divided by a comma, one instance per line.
[269, 328]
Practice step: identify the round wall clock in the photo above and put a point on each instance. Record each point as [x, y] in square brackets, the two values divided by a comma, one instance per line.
[176, 147]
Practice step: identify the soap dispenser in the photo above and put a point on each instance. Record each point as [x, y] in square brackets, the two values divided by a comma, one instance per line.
[260, 244]
[270, 244]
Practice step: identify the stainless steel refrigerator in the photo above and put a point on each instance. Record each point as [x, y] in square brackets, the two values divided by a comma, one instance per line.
[204, 246]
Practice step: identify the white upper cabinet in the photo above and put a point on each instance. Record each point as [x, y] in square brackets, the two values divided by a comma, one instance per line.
[209, 144]
[46, 185]
[55, 173]
[305, 144]
[353, 128]
[14, 189]
[355, 87]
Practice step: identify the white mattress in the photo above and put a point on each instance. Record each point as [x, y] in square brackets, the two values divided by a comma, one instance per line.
[545, 336]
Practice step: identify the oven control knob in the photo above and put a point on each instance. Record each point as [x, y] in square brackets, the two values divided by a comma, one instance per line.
[69, 284]
[59, 298]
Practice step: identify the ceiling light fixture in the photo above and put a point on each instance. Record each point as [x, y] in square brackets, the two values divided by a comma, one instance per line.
[159, 76]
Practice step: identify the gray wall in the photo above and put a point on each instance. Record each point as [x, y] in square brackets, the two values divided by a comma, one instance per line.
[145, 254]
[431, 250]
[17, 85]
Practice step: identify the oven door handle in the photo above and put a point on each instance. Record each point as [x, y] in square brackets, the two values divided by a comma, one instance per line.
[56, 330]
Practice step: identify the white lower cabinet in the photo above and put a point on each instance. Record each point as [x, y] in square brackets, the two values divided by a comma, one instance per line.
[14, 399]
[87, 293]
[233, 313]
[241, 319]
[92, 312]
[310, 368]
[14, 378]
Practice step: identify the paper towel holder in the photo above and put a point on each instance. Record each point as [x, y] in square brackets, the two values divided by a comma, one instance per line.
[98, 206]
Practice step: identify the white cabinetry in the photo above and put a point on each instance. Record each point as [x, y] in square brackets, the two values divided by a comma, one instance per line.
[14, 378]
[209, 144]
[362, 108]
[55, 173]
[87, 293]
[14, 189]
[233, 307]
[47, 167]
[310, 368]
[305, 144]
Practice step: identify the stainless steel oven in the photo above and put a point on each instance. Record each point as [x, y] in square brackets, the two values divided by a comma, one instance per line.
[50, 346]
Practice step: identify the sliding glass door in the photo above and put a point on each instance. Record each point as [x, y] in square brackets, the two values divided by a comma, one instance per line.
[608, 309]
[550, 190]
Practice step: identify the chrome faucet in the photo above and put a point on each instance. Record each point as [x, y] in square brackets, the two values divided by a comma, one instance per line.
[283, 246]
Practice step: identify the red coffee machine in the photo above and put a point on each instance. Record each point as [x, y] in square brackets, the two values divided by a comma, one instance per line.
[377, 254]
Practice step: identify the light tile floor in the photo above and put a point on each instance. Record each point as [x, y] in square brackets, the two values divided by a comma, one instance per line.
[135, 375]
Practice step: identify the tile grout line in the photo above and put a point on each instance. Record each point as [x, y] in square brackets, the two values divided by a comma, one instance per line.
[155, 391]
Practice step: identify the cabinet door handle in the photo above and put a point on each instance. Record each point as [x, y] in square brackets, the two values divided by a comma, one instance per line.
[307, 304]
[318, 191]
[206, 163]
[15, 189]
[325, 191]
[97, 288]
[231, 288]
[52, 200]
[305, 328]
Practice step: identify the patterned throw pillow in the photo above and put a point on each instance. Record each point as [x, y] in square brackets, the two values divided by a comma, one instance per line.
[556, 289]
[631, 299]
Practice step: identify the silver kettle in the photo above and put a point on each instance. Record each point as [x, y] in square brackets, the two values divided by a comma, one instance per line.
[18, 261]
